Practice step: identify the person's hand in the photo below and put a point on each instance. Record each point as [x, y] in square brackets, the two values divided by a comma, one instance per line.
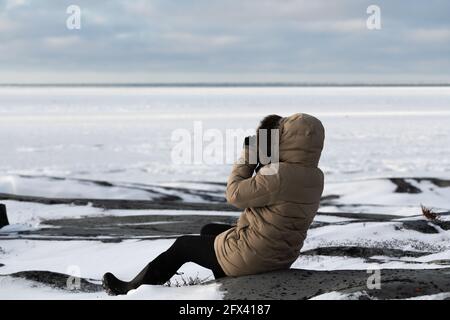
[251, 150]
[250, 140]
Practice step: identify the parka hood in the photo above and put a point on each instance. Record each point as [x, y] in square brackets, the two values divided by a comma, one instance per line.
[301, 139]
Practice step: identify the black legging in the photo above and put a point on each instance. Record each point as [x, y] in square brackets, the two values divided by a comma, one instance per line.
[197, 249]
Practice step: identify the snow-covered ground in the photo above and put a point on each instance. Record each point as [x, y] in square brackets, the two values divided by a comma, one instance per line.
[90, 260]
[14, 288]
[115, 143]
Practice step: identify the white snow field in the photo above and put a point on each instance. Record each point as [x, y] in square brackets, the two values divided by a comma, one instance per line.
[124, 134]
[115, 143]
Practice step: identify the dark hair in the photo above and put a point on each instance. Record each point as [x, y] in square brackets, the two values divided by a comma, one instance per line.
[271, 121]
[268, 123]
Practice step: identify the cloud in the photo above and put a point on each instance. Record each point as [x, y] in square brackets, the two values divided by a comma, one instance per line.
[346, 26]
[437, 35]
[251, 39]
[138, 7]
[64, 42]
[6, 25]
[12, 4]
[200, 42]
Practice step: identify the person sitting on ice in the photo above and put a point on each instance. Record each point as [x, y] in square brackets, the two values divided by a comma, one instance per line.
[280, 200]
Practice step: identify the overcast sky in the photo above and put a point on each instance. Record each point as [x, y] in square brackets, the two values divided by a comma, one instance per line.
[224, 41]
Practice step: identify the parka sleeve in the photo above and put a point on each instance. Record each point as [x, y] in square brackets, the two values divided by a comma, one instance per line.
[247, 191]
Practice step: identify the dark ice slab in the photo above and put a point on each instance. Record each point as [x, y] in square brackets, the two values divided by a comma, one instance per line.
[304, 284]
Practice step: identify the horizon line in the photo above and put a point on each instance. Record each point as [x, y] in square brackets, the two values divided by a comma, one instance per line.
[225, 84]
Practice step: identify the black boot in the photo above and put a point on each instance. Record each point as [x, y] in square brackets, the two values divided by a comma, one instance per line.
[114, 286]
[157, 272]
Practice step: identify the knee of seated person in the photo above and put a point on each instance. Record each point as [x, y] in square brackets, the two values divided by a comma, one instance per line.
[206, 229]
[181, 241]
